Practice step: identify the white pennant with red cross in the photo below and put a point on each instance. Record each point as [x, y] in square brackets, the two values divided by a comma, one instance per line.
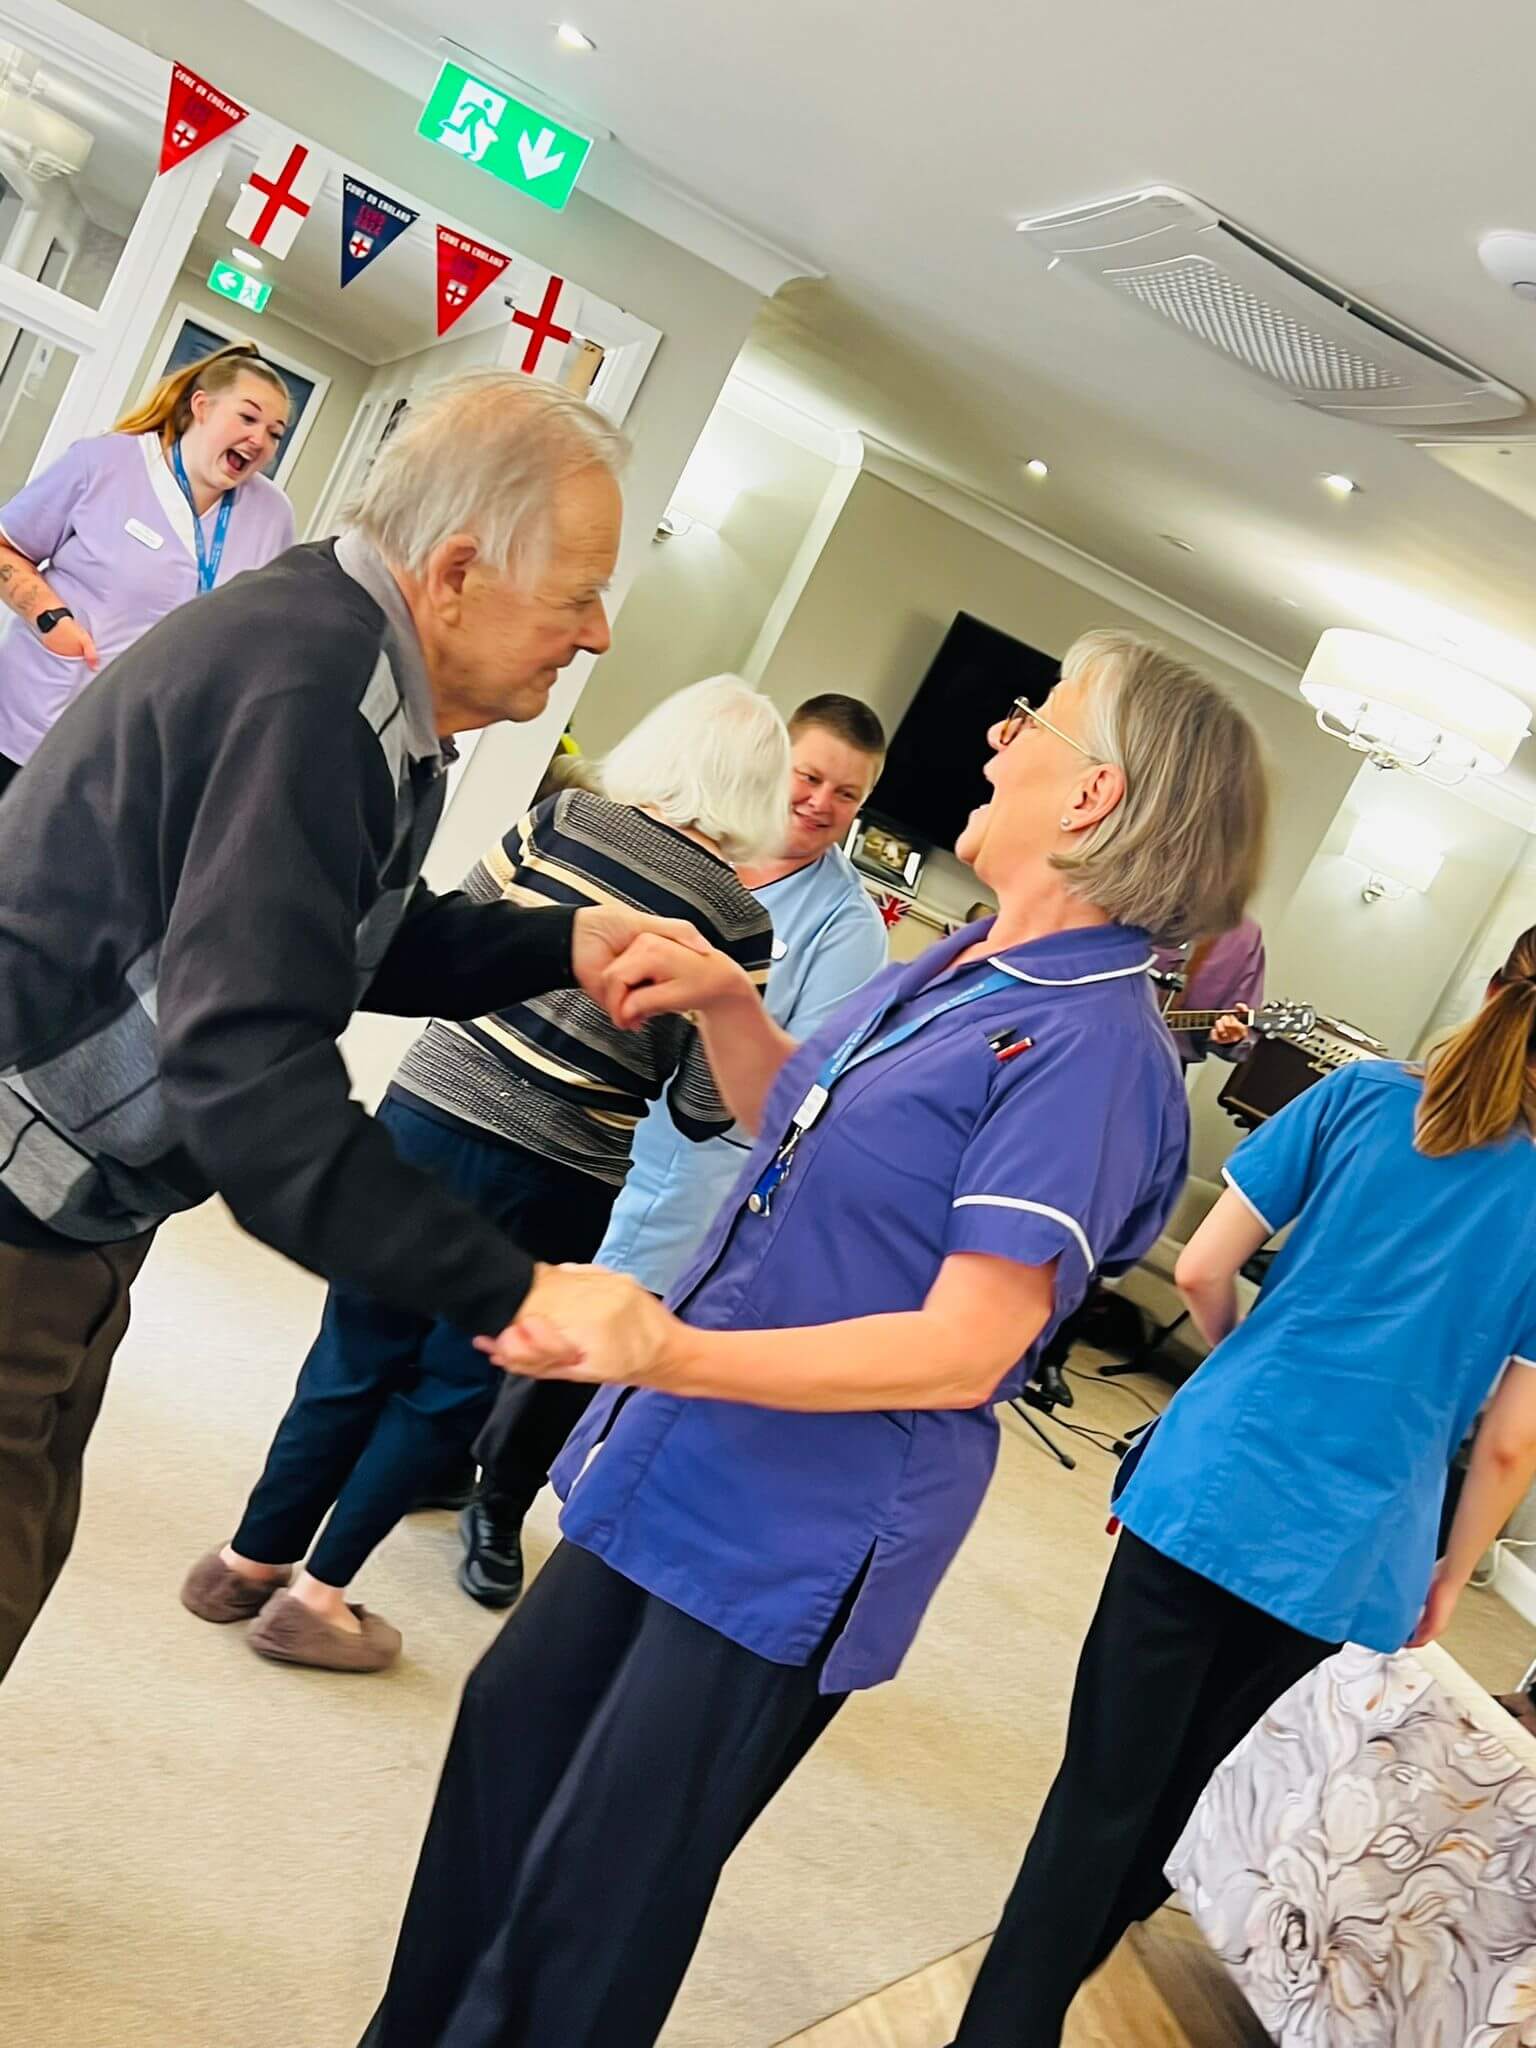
[276, 198]
[544, 332]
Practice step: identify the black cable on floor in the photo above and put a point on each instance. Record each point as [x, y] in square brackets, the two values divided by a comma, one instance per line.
[1097, 1379]
[1100, 1439]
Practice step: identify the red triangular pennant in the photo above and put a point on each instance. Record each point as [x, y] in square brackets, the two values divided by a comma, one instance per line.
[464, 269]
[196, 113]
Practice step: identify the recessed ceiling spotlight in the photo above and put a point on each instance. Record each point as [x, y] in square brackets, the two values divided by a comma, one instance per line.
[248, 259]
[1185, 547]
[1035, 467]
[1341, 486]
[568, 33]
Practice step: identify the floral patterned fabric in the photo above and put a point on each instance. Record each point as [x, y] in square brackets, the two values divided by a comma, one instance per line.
[1364, 1863]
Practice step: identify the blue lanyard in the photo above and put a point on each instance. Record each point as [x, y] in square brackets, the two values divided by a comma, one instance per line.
[853, 1052]
[208, 558]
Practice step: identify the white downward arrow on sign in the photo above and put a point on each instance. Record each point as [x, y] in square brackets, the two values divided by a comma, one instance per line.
[539, 157]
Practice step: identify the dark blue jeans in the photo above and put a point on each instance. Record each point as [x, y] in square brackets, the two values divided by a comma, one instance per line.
[386, 1400]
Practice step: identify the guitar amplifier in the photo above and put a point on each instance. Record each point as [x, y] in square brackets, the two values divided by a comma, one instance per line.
[1278, 1069]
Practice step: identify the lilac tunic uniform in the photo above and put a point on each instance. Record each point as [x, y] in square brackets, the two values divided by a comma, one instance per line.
[116, 533]
[757, 1521]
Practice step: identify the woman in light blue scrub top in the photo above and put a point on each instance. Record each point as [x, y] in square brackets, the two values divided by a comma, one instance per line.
[755, 1524]
[1289, 1500]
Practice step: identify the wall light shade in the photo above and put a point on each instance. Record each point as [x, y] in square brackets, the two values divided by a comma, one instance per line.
[1403, 708]
[1395, 853]
[47, 144]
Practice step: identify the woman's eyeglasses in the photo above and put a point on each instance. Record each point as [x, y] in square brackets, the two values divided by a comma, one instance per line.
[1024, 714]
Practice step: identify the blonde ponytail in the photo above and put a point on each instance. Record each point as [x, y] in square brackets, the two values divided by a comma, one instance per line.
[168, 409]
[1481, 1083]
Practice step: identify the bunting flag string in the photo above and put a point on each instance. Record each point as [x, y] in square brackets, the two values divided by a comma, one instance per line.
[196, 113]
[370, 221]
[464, 269]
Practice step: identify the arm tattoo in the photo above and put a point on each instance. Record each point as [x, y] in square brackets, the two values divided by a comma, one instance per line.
[22, 590]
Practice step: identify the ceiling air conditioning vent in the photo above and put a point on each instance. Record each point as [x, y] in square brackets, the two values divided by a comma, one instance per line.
[1173, 256]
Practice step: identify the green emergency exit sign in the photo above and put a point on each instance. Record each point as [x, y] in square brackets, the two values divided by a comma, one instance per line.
[234, 284]
[517, 143]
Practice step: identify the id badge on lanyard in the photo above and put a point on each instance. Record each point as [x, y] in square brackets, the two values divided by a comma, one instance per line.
[209, 553]
[853, 1052]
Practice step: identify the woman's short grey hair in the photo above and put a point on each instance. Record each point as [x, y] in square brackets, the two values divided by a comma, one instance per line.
[482, 453]
[1180, 854]
[713, 758]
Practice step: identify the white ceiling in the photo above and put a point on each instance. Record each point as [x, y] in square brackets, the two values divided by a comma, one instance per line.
[895, 145]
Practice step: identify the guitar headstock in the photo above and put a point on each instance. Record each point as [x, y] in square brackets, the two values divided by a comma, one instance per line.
[1283, 1020]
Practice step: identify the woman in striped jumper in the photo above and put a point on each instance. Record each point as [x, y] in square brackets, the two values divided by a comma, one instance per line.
[529, 1113]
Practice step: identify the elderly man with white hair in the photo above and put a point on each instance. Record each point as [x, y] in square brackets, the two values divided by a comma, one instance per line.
[213, 860]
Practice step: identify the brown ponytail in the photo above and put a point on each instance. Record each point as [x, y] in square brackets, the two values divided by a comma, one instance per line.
[1481, 1083]
[168, 409]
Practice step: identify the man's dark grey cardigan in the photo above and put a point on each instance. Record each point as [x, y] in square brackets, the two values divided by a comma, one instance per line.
[208, 865]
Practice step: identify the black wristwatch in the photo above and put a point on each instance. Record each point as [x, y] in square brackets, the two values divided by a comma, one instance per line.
[46, 621]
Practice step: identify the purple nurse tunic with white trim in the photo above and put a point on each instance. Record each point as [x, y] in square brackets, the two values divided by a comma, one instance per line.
[757, 1521]
[110, 521]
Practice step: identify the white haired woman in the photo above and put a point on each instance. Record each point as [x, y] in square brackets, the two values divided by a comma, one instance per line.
[755, 1524]
[528, 1114]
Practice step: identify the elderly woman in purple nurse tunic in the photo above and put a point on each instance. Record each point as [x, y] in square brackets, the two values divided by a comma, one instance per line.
[132, 524]
[756, 1521]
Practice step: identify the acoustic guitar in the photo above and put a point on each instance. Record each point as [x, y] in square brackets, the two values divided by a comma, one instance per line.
[1273, 1020]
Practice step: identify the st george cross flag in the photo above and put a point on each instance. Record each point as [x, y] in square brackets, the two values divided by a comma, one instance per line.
[464, 269]
[196, 114]
[370, 221]
[276, 198]
[545, 322]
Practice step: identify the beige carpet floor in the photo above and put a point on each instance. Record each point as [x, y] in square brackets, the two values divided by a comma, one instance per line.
[200, 1850]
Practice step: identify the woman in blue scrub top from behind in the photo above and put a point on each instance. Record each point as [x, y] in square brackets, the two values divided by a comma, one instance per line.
[1290, 1498]
[755, 1524]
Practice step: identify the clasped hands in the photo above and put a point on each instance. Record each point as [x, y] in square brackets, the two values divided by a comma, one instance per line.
[637, 967]
[583, 1322]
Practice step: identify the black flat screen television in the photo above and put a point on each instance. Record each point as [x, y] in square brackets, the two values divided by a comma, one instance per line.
[932, 779]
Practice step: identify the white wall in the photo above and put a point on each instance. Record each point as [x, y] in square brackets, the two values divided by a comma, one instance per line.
[699, 604]
[1386, 965]
[1393, 967]
[883, 592]
[1511, 911]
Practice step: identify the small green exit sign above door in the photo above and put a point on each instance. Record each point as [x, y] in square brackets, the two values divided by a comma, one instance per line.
[524, 147]
[234, 284]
